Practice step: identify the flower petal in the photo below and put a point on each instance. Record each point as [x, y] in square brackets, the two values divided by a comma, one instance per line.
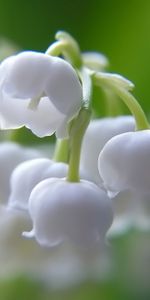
[97, 134]
[11, 155]
[124, 162]
[50, 83]
[29, 174]
[27, 74]
[63, 88]
[15, 113]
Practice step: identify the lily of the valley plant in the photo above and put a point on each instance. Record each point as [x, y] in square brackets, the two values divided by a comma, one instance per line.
[68, 198]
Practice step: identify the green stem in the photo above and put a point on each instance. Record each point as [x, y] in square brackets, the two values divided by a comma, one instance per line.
[79, 126]
[86, 87]
[135, 108]
[67, 46]
[113, 107]
[128, 98]
[61, 153]
[13, 135]
[56, 48]
[78, 129]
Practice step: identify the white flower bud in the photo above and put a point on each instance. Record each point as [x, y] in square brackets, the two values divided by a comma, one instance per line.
[124, 162]
[97, 135]
[118, 81]
[95, 60]
[78, 212]
[50, 83]
[11, 155]
[28, 174]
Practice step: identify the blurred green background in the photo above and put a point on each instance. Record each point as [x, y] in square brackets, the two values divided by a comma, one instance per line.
[120, 30]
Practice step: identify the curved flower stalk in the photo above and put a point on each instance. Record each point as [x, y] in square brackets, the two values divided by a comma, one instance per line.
[124, 162]
[97, 134]
[12, 154]
[78, 212]
[47, 85]
[122, 87]
[68, 47]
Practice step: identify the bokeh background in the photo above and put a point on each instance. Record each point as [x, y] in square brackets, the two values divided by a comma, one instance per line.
[120, 30]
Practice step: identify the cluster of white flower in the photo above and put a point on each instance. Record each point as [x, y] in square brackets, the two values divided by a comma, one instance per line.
[48, 95]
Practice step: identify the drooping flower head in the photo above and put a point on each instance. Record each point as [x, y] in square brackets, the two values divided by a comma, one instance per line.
[124, 162]
[48, 84]
[78, 212]
[98, 133]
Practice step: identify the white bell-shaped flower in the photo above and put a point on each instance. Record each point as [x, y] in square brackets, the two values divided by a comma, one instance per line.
[124, 163]
[131, 211]
[98, 133]
[49, 84]
[58, 268]
[12, 154]
[28, 174]
[78, 212]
